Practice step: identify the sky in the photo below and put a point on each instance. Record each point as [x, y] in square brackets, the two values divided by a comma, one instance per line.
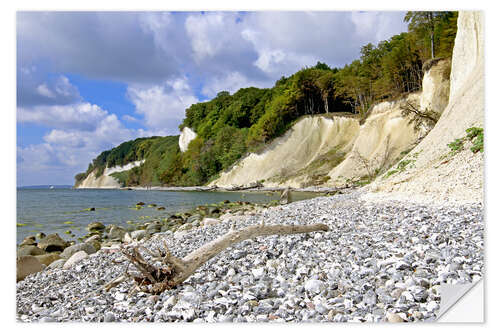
[88, 81]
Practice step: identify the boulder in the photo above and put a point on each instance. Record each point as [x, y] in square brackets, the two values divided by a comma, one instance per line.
[116, 233]
[57, 263]
[138, 234]
[52, 243]
[127, 238]
[47, 259]
[95, 226]
[75, 258]
[207, 221]
[95, 240]
[161, 208]
[29, 250]
[26, 265]
[140, 203]
[152, 228]
[30, 240]
[86, 247]
[193, 218]
[40, 235]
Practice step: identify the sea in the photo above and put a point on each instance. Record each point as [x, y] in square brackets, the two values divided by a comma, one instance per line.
[58, 209]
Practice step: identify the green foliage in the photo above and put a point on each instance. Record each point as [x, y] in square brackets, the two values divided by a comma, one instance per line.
[473, 134]
[456, 145]
[229, 126]
[476, 135]
[80, 177]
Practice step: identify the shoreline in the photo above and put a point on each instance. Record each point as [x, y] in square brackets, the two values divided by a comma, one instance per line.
[321, 275]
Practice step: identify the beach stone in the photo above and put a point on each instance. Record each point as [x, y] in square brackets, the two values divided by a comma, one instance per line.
[95, 226]
[26, 265]
[40, 235]
[127, 238]
[47, 259]
[57, 263]
[314, 286]
[153, 228]
[95, 241]
[29, 250]
[27, 241]
[209, 221]
[116, 233]
[193, 218]
[394, 318]
[70, 250]
[109, 317]
[52, 243]
[138, 234]
[75, 258]
[140, 203]
[160, 208]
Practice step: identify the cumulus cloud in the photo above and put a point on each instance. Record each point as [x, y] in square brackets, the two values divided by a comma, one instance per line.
[163, 106]
[231, 82]
[100, 45]
[167, 62]
[82, 115]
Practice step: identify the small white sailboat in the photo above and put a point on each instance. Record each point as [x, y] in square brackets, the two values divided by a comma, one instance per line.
[51, 187]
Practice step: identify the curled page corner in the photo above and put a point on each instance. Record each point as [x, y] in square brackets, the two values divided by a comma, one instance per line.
[462, 303]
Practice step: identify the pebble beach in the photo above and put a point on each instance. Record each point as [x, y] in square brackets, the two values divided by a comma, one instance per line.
[380, 261]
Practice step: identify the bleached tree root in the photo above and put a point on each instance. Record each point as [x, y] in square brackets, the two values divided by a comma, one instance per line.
[174, 270]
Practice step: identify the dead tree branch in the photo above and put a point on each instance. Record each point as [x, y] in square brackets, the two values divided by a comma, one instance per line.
[174, 270]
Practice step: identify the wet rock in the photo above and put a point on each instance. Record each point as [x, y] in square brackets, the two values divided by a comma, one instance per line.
[28, 241]
[116, 233]
[26, 265]
[29, 250]
[47, 259]
[53, 243]
[95, 227]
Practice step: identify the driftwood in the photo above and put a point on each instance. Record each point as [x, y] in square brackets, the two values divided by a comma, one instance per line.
[245, 187]
[173, 271]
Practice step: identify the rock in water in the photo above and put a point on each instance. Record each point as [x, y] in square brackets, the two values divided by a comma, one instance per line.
[95, 227]
[116, 233]
[53, 243]
[30, 240]
[26, 265]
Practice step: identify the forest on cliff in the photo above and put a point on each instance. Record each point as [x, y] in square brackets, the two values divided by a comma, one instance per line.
[229, 126]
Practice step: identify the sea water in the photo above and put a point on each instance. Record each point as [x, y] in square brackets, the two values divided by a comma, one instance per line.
[60, 209]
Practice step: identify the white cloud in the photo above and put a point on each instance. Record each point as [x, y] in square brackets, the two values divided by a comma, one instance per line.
[231, 82]
[163, 106]
[75, 116]
[45, 91]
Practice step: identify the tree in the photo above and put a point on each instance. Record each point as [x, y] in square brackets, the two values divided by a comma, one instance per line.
[424, 23]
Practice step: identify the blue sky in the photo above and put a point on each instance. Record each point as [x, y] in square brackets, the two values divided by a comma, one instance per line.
[87, 81]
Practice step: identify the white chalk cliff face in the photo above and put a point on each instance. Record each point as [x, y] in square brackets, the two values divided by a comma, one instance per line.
[106, 180]
[328, 149]
[187, 135]
[460, 177]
